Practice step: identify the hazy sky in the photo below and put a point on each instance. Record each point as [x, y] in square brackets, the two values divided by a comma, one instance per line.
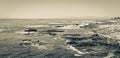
[58, 8]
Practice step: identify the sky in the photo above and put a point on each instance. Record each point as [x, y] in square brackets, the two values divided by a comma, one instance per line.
[58, 8]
